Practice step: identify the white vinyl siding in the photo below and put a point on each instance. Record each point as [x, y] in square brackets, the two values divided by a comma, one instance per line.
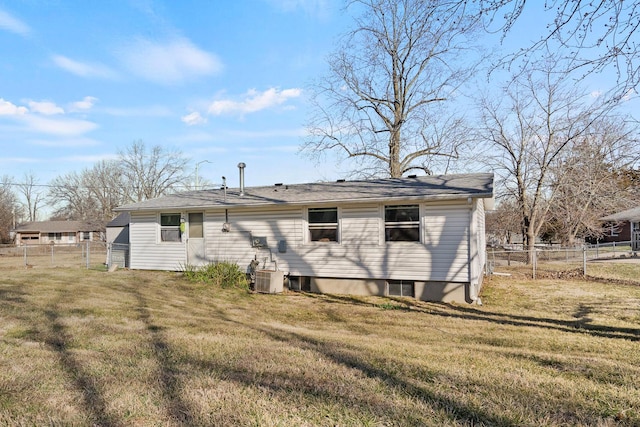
[442, 254]
[361, 253]
[146, 251]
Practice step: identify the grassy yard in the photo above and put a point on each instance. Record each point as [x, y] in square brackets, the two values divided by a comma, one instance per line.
[86, 347]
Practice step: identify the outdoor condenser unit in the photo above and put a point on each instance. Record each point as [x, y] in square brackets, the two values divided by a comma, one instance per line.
[269, 281]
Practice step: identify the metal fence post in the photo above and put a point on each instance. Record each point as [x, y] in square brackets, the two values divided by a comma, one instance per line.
[584, 260]
[25, 256]
[88, 255]
[535, 261]
[52, 262]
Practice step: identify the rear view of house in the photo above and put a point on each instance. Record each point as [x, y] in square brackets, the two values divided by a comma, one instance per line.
[419, 237]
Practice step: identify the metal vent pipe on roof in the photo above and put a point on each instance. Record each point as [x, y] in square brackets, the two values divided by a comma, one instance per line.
[241, 166]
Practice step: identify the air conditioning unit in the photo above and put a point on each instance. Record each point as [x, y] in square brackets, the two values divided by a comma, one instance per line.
[269, 281]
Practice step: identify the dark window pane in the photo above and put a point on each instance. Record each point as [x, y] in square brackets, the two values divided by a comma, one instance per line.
[402, 234]
[170, 219]
[401, 288]
[401, 213]
[323, 216]
[323, 234]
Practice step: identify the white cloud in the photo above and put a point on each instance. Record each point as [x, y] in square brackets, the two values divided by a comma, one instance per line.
[9, 109]
[66, 143]
[253, 101]
[268, 134]
[13, 24]
[83, 69]
[59, 126]
[151, 111]
[45, 107]
[86, 104]
[318, 8]
[169, 63]
[193, 119]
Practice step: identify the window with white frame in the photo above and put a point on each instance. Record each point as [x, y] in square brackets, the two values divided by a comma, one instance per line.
[323, 224]
[170, 227]
[402, 223]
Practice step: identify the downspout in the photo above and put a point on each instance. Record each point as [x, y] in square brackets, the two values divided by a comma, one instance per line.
[472, 252]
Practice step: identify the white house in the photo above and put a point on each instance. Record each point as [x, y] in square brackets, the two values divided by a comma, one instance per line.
[422, 237]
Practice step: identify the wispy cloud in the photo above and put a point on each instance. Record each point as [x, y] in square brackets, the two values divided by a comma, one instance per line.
[151, 111]
[175, 61]
[83, 69]
[253, 101]
[65, 143]
[47, 108]
[9, 109]
[193, 119]
[13, 24]
[58, 126]
[86, 104]
[267, 134]
[317, 8]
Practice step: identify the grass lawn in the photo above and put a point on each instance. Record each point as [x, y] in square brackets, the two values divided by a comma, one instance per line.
[85, 347]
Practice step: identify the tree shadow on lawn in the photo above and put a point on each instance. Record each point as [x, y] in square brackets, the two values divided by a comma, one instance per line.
[580, 325]
[178, 409]
[340, 355]
[57, 338]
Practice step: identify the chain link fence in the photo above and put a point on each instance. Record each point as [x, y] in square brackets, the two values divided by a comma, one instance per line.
[82, 255]
[555, 262]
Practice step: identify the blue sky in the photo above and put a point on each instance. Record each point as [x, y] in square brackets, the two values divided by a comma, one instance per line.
[221, 81]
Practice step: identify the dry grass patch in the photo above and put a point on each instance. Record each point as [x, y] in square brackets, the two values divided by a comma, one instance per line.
[150, 348]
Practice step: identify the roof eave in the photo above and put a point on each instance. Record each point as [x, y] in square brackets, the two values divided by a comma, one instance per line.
[227, 205]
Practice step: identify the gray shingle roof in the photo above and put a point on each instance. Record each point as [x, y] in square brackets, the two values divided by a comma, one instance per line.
[628, 215]
[440, 187]
[56, 227]
[121, 220]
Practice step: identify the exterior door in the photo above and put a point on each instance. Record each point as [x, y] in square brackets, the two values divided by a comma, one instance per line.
[195, 239]
[635, 236]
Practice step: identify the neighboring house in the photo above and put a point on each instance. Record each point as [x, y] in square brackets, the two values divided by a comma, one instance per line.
[422, 237]
[117, 234]
[56, 232]
[624, 226]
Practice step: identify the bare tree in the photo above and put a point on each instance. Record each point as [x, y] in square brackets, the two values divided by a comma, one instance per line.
[538, 118]
[586, 181]
[502, 223]
[106, 185]
[383, 102]
[593, 35]
[9, 209]
[151, 173]
[71, 198]
[32, 194]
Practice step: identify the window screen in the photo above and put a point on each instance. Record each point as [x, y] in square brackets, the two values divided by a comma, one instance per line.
[402, 223]
[401, 288]
[170, 227]
[196, 230]
[323, 224]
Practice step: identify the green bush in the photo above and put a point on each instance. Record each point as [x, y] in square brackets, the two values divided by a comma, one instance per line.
[225, 274]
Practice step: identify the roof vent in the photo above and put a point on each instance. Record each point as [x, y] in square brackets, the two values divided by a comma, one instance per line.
[278, 184]
[340, 180]
[412, 176]
[241, 166]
